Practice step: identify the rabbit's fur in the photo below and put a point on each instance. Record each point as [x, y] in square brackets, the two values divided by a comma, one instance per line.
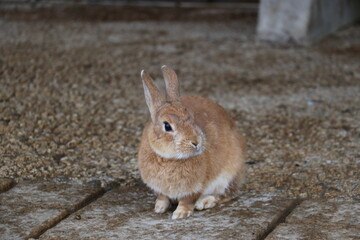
[199, 159]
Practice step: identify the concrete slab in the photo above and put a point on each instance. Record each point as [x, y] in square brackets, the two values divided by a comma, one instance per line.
[23, 222]
[128, 214]
[321, 220]
[49, 195]
[6, 184]
[30, 208]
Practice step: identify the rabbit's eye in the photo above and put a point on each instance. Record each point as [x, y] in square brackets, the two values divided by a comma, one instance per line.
[167, 127]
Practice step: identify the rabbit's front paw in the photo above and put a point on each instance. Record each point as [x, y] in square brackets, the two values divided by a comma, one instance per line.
[205, 202]
[182, 212]
[162, 205]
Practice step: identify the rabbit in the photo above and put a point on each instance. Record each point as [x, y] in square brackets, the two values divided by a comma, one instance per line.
[190, 151]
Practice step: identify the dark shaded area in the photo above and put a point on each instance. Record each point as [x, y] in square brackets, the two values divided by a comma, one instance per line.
[105, 13]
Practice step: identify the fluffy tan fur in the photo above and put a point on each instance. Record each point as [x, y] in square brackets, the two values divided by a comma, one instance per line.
[203, 152]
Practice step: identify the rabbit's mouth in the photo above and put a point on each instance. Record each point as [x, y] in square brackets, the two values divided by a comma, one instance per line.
[181, 148]
[182, 153]
[190, 150]
[199, 151]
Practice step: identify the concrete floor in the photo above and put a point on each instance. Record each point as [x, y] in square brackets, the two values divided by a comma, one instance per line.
[49, 210]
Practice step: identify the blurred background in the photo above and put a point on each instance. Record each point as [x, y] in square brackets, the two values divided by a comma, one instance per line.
[72, 107]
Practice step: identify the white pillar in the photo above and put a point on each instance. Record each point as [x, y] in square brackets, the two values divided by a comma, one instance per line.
[304, 21]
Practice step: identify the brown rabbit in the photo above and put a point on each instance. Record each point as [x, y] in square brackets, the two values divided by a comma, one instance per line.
[191, 150]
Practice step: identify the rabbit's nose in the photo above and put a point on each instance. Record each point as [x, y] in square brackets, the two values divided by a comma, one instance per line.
[194, 144]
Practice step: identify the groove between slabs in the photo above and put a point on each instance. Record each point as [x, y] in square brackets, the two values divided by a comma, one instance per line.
[36, 233]
[280, 219]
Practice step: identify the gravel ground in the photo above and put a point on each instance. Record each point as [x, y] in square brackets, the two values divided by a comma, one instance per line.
[72, 106]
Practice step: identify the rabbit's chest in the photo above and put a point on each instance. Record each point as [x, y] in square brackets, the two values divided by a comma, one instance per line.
[174, 179]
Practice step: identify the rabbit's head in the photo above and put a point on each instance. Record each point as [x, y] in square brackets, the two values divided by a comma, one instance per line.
[174, 133]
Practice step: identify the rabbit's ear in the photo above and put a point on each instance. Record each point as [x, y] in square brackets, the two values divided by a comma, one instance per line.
[153, 96]
[171, 83]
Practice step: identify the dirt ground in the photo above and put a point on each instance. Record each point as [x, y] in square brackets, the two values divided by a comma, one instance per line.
[72, 105]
